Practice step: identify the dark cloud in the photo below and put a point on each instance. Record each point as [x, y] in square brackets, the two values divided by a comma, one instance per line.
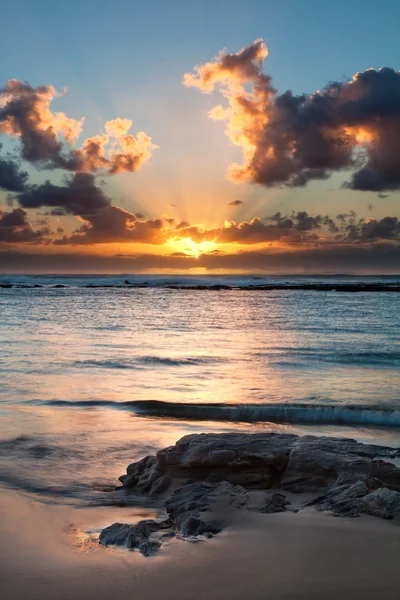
[25, 112]
[102, 222]
[387, 228]
[234, 203]
[296, 228]
[12, 178]
[378, 258]
[291, 139]
[15, 228]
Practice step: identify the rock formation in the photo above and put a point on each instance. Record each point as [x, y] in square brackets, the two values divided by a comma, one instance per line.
[204, 477]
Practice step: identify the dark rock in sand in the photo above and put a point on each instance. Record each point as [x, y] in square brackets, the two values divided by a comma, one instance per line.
[362, 497]
[203, 478]
[195, 509]
[133, 536]
[382, 502]
[186, 504]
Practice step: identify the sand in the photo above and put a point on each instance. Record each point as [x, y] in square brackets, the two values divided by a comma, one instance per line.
[305, 555]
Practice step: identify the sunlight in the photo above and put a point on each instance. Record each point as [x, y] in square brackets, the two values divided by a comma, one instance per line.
[190, 248]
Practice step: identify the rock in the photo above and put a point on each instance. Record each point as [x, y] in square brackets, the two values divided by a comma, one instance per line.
[274, 503]
[160, 485]
[317, 463]
[345, 500]
[382, 502]
[262, 461]
[186, 504]
[133, 536]
[364, 496]
[253, 460]
[203, 478]
[202, 508]
[149, 547]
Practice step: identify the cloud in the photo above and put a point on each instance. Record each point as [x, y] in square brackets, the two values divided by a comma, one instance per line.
[291, 139]
[296, 228]
[25, 112]
[234, 203]
[12, 178]
[387, 228]
[378, 258]
[102, 221]
[15, 228]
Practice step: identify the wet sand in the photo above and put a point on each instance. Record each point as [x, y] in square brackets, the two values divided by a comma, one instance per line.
[307, 555]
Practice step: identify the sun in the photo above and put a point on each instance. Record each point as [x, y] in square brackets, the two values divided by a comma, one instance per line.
[190, 248]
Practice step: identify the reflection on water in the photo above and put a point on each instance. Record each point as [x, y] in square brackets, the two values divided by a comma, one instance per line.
[187, 346]
[116, 346]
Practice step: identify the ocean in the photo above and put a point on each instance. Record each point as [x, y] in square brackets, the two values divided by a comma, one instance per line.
[96, 372]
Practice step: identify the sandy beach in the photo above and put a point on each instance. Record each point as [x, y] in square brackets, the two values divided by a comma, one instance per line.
[305, 555]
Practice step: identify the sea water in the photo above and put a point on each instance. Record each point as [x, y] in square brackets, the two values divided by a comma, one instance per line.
[92, 378]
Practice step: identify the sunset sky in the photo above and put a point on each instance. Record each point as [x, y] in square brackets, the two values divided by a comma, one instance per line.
[212, 136]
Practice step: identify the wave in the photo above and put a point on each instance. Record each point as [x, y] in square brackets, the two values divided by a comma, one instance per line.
[149, 361]
[300, 358]
[35, 449]
[176, 362]
[217, 282]
[317, 414]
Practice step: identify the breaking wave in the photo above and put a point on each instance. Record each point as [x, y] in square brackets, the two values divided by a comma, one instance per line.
[317, 414]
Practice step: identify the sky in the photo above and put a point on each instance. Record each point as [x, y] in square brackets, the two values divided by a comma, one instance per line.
[200, 136]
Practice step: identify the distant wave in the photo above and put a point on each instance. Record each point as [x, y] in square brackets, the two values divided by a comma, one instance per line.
[176, 362]
[343, 283]
[149, 360]
[298, 358]
[317, 414]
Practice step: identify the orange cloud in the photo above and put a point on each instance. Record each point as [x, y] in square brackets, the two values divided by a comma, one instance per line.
[25, 112]
[288, 139]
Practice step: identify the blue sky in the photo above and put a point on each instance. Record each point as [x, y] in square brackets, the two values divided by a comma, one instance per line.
[127, 59]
